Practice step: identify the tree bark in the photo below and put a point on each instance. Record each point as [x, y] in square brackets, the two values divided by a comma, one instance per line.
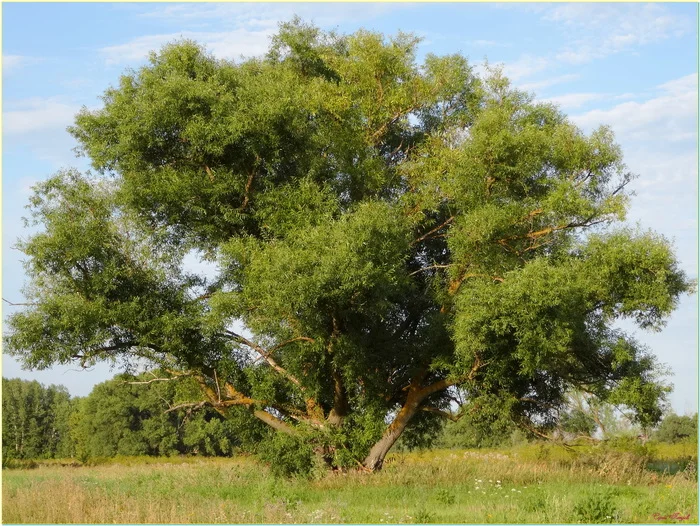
[375, 458]
[414, 399]
[340, 402]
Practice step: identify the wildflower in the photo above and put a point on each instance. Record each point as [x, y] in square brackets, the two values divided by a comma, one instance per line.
[514, 489]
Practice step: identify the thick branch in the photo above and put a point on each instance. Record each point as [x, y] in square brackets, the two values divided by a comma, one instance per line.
[266, 356]
[248, 185]
[153, 380]
[443, 384]
[436, 229]
[274, 422]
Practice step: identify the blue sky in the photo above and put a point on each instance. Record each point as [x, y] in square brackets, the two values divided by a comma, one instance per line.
[630, 66]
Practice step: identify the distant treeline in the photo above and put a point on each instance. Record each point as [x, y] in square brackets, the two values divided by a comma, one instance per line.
[142, 415]
[119, 417]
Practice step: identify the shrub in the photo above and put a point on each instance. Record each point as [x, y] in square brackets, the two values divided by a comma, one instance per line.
[676, 428]
[288, 456]
[596, 507]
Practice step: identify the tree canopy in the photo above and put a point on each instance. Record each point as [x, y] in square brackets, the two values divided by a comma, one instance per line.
[384, 234]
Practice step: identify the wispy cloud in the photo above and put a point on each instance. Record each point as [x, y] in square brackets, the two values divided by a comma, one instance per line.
[37, 114]
[574, 100]
[525, 66]
[599, 30]
[546, 83]
[659, 139]
[268, 15]
[487, 43]
[230, 45]
[12, 63]
[595, 31]
[669, 117]
[252, 25]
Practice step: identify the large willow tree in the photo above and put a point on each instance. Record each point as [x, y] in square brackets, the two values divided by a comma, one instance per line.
[386, 234]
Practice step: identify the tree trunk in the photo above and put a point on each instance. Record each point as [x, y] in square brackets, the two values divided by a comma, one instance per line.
[375, 458]
[340, 402]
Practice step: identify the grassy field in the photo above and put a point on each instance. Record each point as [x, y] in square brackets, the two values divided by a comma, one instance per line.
[529, 484]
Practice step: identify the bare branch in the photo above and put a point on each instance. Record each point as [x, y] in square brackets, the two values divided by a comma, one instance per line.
[428, 268]
[274, 422]
[156, 380]
[193, 405]
[440, 412]
[266, 355]
[19, 304]
[218, 387]
[446, 382]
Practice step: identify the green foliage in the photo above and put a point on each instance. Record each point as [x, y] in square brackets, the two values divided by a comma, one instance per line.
[124, 418]
[578, 423]
[485, 422]
[383, 231]
[674, 428]
[288, 456]
[35, 420]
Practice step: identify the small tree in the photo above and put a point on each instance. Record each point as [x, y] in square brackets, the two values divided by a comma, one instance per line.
[383, 233]
[34, 420]
[676, 428]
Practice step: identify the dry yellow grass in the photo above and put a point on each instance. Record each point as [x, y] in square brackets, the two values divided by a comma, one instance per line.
[526, 486]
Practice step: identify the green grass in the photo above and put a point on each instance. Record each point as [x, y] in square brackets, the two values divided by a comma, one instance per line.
[530, 484]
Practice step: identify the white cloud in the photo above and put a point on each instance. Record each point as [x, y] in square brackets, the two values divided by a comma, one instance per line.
[669, 117]
[681, 86]
[595, 31]
[230, 45]
[573, 100]
[659, 139]
[252, 25]
[626, 96]
[11, 63]
[546, 83]
[525, 66]
[598, 30]
[486, 43]
[36, 115]
[268, 15]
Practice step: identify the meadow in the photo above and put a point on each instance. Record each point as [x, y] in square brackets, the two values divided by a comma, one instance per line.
[534, 483]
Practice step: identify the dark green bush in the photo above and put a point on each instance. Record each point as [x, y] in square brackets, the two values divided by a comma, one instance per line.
[287, 456]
